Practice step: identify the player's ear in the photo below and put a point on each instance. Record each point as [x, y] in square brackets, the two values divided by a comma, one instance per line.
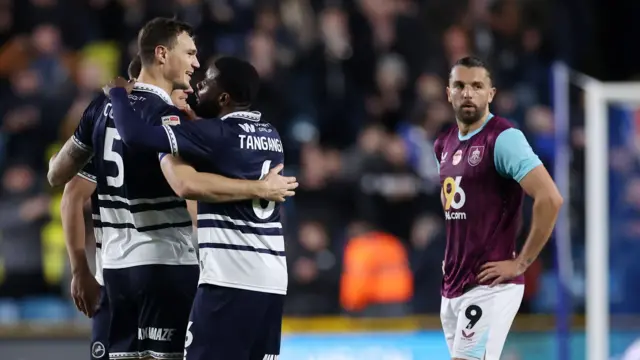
[224, 99]
[492, 93]
[161, 54]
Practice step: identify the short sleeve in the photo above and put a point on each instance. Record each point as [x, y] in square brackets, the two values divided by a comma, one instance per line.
[513, 156]
[188, 137]
[83, 136]
[88, 172]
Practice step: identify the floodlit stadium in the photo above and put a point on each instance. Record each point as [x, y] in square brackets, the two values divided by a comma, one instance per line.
[359, 92]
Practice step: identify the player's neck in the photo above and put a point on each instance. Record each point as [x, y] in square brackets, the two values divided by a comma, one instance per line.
[151, 77]
[226, 111]
[464, 129]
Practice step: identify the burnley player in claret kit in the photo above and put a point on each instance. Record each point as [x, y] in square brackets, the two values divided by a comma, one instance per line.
[486, 166]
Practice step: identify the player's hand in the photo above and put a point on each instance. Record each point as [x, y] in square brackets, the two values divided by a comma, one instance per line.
[277, 187]
[85, 292]
[191, 115]
[498, 272]
[119, 82]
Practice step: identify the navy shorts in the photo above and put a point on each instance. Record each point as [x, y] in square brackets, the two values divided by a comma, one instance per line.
[150, 307]
[234, 324]
[100, 328]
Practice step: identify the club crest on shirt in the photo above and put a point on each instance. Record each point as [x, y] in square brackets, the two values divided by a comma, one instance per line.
[475, 155]
[171, 120]
[98, 350]
[457, 157]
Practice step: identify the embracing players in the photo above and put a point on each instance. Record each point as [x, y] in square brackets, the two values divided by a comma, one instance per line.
[87, 289]
[486, 165]
[237, 313]
[150, 268]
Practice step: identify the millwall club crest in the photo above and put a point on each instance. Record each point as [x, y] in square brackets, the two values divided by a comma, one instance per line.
[98, 350]
[475, 155]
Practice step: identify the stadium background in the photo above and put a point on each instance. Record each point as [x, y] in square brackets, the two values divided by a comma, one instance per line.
[357, 90]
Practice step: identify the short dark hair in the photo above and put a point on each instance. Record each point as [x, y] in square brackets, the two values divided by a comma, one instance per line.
[135, 67]
[238, 78]
[472, 62]
[159, 31]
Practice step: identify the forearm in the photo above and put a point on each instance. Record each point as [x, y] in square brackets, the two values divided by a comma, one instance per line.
[72, 214]
[64, 165]
[217, 188]
[133, 130]
[545, 212]
[193, 185]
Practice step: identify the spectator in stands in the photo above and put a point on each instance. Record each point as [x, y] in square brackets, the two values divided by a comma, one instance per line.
[376, 280]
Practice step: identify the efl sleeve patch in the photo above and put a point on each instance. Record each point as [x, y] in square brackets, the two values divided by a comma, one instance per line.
[171, 120]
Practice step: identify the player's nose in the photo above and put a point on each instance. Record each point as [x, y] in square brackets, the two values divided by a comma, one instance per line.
[195, 64]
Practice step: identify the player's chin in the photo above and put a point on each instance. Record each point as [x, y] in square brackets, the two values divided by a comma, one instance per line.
[468, 115]
[182, 84]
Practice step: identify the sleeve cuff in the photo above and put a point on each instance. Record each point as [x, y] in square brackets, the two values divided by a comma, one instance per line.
[87, 176]
[173, 142]
[80, 144]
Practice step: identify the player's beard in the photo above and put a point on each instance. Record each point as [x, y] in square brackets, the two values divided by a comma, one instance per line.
[208, 109]
[468, 113]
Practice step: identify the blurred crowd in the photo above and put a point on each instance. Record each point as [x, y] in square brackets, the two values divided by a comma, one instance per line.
[355, 87]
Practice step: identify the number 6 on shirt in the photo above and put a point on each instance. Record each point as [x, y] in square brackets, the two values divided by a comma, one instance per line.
[263, 212]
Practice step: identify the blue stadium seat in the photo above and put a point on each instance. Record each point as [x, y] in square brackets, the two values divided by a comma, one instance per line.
[547, 295]
[9, 312]
[45, 309]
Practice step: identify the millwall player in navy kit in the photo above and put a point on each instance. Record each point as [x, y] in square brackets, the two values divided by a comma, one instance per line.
[237, 313]
[87, 291]
[486, 166]
[150, 267]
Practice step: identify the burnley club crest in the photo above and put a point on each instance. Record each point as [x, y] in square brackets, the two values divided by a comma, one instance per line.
[475, 155]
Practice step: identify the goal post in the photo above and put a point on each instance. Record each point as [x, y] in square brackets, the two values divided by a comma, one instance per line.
[598, 96]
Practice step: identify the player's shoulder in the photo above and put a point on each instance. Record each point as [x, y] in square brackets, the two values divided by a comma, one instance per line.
[97, 103]
[445, 133]
[499, 124]
[240, 118]
[248, 122]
